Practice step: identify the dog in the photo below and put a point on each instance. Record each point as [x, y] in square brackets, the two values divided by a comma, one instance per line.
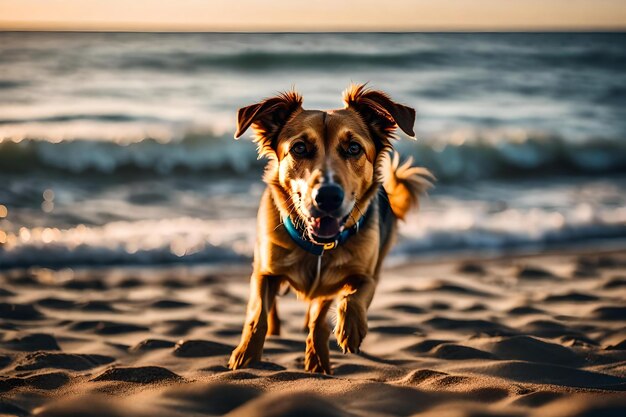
[328, 216]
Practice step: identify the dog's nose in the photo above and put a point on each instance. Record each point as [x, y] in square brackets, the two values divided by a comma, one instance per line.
[328, 197]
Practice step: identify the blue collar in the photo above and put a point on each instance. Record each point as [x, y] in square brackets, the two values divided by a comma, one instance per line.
[319, 248]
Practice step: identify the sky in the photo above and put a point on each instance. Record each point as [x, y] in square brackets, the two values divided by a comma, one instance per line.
[311, 15]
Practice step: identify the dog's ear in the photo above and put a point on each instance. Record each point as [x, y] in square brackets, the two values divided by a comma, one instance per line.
[380, 113]
[268, 118]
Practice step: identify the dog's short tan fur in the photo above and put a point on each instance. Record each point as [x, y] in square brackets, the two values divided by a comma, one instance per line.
[349, 273]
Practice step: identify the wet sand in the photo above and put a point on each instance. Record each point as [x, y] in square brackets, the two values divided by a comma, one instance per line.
[525, 336]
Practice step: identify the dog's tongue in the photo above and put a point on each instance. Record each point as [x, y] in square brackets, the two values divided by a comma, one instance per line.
[326, 227]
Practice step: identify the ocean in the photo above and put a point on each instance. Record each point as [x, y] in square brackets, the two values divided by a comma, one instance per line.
[117, 148]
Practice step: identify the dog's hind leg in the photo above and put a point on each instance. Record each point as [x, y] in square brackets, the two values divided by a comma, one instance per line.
[273, 328]
[263, 290]
[305, 328]
[317, 358]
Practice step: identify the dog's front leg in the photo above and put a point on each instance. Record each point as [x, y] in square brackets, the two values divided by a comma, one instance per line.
[263, 290]
[317, 357]
[352, 313]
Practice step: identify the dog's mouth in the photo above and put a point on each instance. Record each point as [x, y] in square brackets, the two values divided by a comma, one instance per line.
[325, 227]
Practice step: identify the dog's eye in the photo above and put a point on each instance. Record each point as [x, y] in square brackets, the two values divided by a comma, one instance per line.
[299, 149]
[354, 149]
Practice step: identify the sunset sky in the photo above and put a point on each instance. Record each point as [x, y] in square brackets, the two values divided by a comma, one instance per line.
[311, 15]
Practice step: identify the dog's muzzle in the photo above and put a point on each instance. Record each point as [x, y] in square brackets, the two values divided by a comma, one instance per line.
[325, 221]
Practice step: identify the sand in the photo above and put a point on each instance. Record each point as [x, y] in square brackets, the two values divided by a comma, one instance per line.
[525, 336]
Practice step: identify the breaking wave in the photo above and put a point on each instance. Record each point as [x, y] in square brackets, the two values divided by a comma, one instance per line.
[474, 158]
[220, 240]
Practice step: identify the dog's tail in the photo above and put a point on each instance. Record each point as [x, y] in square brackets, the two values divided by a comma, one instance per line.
[404, 184]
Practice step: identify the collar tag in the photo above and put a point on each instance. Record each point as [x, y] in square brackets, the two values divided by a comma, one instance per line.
[331, 245]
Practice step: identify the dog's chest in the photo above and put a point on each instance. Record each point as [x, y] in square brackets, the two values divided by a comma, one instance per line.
[313, 276]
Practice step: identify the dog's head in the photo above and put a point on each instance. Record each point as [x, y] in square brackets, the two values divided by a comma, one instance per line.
[324, 164]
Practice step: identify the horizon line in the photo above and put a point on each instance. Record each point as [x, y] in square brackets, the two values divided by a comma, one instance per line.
[573, 29]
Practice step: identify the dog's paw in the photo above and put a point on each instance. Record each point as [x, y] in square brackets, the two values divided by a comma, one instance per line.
[317, 364]
[317, 360]
[244, 356]
[351, 326]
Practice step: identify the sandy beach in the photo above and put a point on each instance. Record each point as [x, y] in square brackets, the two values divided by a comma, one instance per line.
[522, 336]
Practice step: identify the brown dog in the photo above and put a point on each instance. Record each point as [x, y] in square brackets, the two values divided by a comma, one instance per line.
[328, 216]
